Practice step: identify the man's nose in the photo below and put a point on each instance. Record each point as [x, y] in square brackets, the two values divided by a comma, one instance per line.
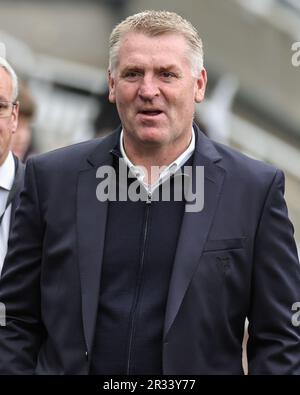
[149, 88]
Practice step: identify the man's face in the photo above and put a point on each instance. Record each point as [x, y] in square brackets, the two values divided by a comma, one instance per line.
[154, 89]
[8, 125]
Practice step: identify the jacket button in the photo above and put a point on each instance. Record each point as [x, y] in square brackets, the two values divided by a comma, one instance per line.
[87, 355]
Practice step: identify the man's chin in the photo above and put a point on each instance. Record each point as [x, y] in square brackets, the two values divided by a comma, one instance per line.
[153, 136]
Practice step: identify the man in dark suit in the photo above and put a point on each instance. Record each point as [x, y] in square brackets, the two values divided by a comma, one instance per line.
[11, 169]
[98, 282]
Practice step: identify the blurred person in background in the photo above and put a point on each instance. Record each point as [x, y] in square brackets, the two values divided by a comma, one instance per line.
[11, 168]
[22, 139]
[151, 286]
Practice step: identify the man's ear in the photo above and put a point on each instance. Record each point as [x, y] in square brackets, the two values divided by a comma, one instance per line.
[14, 117]
[201, 86]
[111, 87]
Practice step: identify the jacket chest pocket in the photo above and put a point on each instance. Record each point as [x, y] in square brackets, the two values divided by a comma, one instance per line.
[224, 244]
[224, 271]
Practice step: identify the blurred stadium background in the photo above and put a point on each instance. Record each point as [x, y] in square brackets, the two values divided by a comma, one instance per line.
[61, 49]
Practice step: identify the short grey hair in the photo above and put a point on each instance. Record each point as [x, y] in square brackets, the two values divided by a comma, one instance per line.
[155, 23]
[14, 79]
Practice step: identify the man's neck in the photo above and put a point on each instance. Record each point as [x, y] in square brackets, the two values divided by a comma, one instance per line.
[7, 172]
[147, 156]
[142, 154]
[4, 157]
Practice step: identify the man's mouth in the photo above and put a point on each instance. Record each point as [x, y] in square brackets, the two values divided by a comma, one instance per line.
[152, 113]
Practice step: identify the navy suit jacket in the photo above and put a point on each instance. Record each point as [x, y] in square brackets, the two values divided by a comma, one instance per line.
[235, 259]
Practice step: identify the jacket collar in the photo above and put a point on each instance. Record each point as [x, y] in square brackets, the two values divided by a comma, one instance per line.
[108, 144]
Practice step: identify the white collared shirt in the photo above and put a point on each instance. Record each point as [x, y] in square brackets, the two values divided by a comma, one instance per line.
[167, 172]
[7, 175]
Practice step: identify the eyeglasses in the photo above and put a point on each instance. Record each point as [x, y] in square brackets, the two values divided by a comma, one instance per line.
[6, 108]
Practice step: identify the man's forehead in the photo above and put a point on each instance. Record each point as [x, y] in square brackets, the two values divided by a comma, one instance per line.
[134, 35]
[160, 66]
[136, 46]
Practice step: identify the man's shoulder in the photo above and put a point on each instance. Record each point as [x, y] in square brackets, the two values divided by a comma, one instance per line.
[242, 172]
[74, 156]
[74, 151]
[242, 164]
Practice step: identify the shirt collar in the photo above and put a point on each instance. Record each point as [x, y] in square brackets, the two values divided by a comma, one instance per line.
[7, 172]
[182, 158]
[168, 171]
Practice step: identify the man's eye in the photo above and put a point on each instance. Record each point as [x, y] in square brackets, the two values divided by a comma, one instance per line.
[168, 75]
[132, 74]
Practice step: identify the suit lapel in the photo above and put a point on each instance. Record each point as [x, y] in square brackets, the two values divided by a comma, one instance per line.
[194, 229]
[91, 224]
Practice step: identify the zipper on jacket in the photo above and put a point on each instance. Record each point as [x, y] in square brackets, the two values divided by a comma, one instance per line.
[149, 197]
[139, 284]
